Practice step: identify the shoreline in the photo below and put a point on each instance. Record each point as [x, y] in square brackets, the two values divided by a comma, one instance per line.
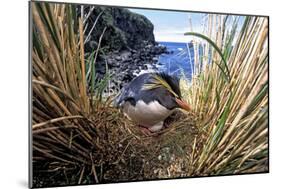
[127, 64]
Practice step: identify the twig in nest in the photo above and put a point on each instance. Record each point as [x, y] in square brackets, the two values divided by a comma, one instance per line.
[35, 126]
[94, 169]
[81, 176]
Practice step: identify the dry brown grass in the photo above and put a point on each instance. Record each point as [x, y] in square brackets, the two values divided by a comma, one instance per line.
[78, 137]
[231, 99]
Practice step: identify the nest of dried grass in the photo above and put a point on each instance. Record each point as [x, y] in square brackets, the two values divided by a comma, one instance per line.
[118, 151]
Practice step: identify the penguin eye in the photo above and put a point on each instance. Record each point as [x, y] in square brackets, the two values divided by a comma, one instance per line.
[167, 93]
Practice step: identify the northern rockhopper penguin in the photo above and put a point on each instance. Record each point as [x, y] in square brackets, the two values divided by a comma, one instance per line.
[150, 98]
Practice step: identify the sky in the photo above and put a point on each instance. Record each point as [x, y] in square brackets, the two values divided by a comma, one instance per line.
[171, 25]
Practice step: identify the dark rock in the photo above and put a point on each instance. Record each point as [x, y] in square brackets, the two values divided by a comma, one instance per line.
[159, 50]
[117, 64]
[129, 60]
[155, 59]
[126, 55]
[135, 56]
[100, 68]
[133, 51]
[118, 58]
[111, 63]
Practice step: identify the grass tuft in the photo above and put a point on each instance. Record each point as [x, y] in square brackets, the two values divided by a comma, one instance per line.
[233, 114]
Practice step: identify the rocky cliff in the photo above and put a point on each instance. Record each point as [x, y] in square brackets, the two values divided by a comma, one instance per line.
[128, 44]
[125, 29]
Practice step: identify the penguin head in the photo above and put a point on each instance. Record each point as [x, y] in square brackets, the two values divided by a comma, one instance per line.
[166, 90]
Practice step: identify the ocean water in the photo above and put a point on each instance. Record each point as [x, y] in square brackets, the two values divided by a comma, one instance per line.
[179, 61]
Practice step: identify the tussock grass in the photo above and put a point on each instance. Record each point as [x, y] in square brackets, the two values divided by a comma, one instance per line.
[79, 138]
[230, 97]
[65, 114]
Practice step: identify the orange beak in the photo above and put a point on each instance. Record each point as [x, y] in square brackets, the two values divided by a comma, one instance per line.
[183, 104]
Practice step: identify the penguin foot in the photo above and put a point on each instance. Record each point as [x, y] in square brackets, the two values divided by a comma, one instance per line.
[152, 130]
[145, 130]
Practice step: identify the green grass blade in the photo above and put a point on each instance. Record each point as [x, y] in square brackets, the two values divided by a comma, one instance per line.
[217, 49]
[228, 47]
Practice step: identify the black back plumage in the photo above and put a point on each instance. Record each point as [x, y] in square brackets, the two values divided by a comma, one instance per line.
[135, 91]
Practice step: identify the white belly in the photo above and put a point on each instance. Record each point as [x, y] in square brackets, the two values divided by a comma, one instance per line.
[149, 115]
